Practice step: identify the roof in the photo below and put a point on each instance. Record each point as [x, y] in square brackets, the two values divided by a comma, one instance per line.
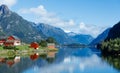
[9, 41]
[15, 37]
[49, 44]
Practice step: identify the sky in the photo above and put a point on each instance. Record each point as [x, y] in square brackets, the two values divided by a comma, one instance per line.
[79, 16]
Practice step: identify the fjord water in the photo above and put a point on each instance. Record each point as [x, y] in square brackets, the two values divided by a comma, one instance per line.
[66, 60]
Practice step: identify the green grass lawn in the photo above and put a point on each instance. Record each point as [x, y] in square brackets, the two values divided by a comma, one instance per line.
[23, 47]
[1, 47]
[26, 49]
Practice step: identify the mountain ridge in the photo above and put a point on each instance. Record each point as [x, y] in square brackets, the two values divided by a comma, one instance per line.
[57, 33]
[101, 37]
[114, 32]
[4, 10]
[13, 24]
[81, 38]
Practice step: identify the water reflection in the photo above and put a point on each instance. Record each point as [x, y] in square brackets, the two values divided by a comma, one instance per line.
[66, 60]
[34, 56]
[113, 61]
[10, 61]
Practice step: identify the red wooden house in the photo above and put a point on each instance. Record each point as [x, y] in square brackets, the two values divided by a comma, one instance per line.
[12, 41]
[2, 41]
[34, 45]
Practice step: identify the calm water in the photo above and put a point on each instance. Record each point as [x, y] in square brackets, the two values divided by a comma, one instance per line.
[66, 60]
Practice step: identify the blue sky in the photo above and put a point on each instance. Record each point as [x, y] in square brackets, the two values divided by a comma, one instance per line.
[80, 16]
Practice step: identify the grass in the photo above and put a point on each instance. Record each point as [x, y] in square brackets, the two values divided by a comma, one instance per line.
[1, 47]
[8, 53]
[25, 49]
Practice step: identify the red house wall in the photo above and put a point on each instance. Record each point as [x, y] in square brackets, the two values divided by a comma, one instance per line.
[8, 44]
[51, 46]
[34, 45]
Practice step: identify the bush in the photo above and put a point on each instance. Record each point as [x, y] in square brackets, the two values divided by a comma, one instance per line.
[10, 53]
[111, 45]
[43, 43]
[51, 40]
[10, 47]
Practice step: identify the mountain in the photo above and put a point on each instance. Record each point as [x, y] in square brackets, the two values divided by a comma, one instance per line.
[100, 37]
[57, 33]
[13, 24]
[4, 10]
[111, 45]
[81, 38]
[2, 35]
[114, 32]
[71, 34]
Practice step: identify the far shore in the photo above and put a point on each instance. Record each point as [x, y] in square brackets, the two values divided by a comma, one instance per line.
[25, 49]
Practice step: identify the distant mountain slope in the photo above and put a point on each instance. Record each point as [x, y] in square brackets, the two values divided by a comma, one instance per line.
[111, 45]
[100, 37]
[2, 35]
[57, 33]
[81, 38]
[13, 24]
[114, 32]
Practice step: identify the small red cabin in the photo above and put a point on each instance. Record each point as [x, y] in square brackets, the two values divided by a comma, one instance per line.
[51, 45]
[34, 45]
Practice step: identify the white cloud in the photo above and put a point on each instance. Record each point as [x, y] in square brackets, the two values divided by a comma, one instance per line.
[40, 14]
[71, 64]
[71, 22]
[46, 17]
[40, 10]
[8, 2]
[93, 30]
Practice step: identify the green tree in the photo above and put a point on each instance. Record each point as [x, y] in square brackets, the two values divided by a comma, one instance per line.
[111, 45]
[50, 40]
[43, 43]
